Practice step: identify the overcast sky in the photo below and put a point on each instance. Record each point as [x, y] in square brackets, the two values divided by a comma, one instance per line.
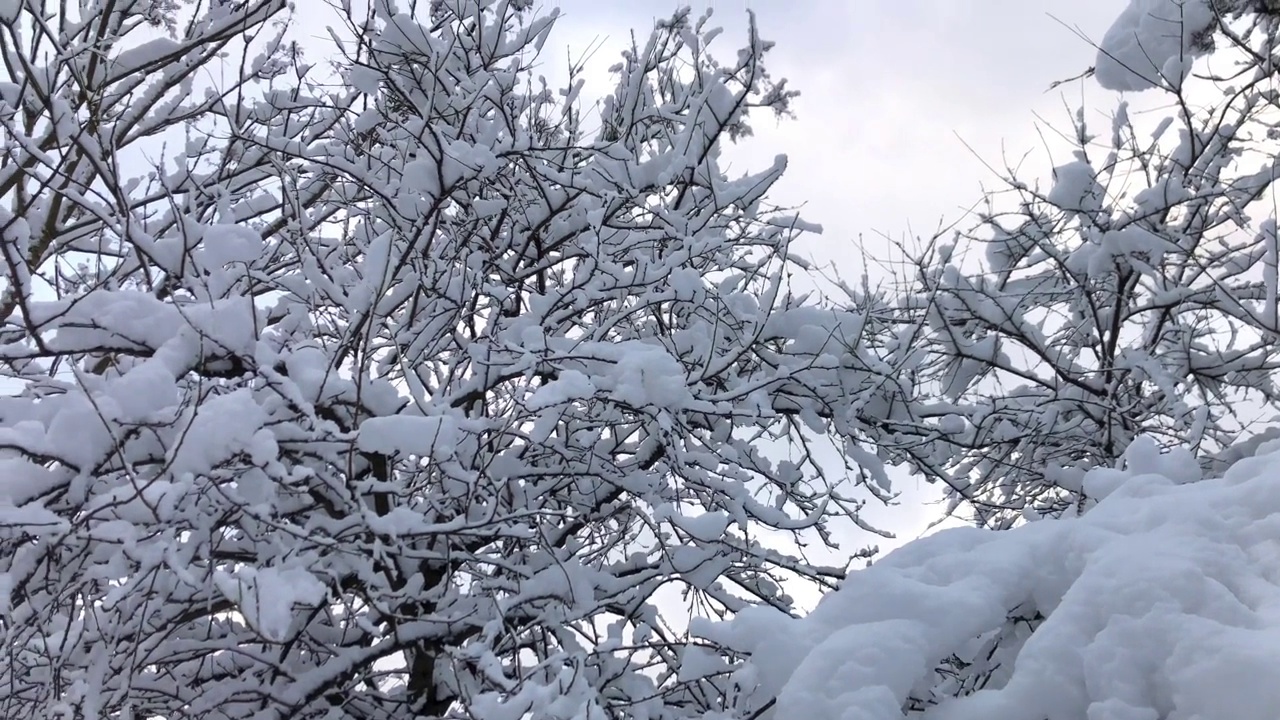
[903, 101]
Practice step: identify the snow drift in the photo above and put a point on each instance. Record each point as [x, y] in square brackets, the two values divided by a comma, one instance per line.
[1160, 601]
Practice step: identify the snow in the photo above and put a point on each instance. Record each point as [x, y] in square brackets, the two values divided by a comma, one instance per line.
[705, 526]
[647, 376]
[571, 385]
[1076, 187]
[28, 518]
[1162, 601]
[697, 662]
[1152, 44]
[222, 427]
[407, 434]
[265, 596]
[147, 53]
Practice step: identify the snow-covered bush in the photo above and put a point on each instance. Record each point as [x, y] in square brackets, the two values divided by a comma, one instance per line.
[400, 393]
[1159, 602]
[1134, 293]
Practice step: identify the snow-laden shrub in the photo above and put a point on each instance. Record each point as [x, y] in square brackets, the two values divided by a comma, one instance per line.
[1161, 601]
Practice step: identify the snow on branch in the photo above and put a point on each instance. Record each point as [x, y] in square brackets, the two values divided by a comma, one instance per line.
[1155, 43]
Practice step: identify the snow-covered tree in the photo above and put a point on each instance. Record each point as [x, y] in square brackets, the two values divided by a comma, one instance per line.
[1134, 293]
[404, 387]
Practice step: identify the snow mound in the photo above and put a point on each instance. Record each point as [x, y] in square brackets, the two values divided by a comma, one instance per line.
[1153, 44]
[1162, 601]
